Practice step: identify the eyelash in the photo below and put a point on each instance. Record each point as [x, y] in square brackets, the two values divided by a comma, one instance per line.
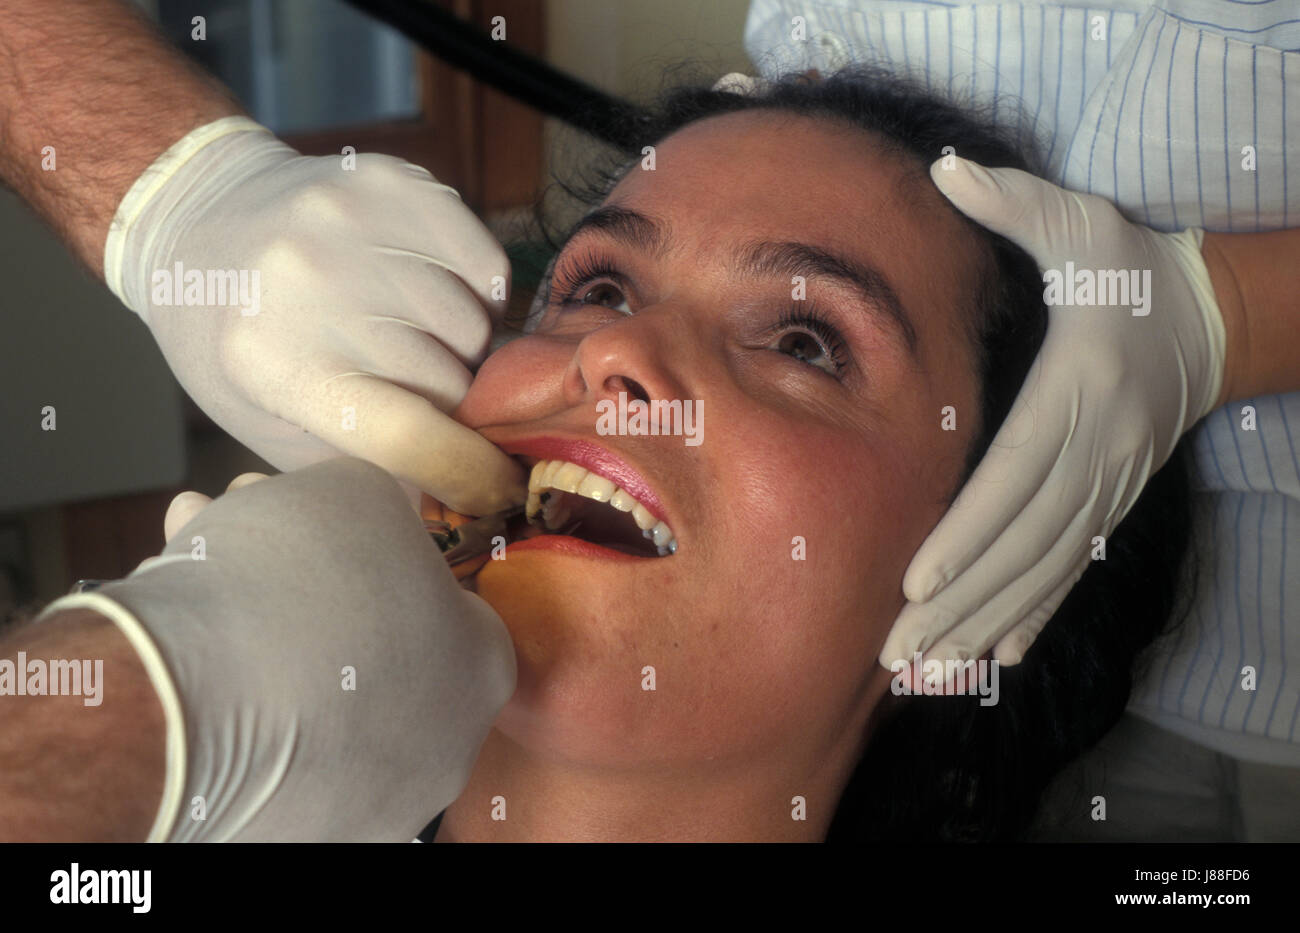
[577, 276]
[805, 316]
[583, 271]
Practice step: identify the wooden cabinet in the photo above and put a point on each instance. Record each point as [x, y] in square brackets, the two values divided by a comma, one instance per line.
[471, 137]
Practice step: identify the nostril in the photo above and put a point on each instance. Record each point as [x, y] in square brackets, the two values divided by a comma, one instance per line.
[634, 389]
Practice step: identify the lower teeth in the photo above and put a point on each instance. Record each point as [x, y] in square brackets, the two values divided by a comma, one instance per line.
[554, 513]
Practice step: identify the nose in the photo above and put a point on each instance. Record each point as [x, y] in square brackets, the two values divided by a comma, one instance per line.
[642, 355]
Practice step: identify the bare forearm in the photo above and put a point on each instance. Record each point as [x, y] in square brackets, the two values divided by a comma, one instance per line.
[1256, 279]
[94, 80]
[71, 771]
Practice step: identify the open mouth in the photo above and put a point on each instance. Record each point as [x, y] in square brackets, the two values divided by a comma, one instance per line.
[567, 499]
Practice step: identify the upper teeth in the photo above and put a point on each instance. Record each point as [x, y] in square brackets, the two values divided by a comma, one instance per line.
[569, 477]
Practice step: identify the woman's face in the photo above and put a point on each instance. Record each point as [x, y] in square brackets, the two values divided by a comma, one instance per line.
[826, 433]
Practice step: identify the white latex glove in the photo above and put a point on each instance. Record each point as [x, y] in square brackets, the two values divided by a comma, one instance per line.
[1101, 410]
[304, 576]
[374, 300]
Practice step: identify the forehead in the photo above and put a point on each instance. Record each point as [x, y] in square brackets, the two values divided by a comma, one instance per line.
[784, 176]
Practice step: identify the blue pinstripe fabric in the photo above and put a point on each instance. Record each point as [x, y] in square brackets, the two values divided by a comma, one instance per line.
[1155, 117]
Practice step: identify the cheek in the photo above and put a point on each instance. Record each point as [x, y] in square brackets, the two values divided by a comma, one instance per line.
[819, 555]
[789, 628]
[515, 383]
[853, 499]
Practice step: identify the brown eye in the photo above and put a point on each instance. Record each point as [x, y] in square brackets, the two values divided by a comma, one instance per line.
[803, 347]
[603, 294]
[808, 338]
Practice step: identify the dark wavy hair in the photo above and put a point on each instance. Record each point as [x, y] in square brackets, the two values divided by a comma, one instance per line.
[946, 768]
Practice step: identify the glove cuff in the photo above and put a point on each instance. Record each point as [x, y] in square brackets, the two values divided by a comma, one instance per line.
[117, 274]
[164, 687]
[1187, 253]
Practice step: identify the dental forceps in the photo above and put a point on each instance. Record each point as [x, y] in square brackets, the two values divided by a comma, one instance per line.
[471, 539]
[458, 545]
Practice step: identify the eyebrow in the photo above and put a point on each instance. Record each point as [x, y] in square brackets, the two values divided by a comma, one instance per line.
[767, 258]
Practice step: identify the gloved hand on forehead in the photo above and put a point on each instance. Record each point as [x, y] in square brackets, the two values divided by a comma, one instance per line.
[1101, 410]
[314, 306]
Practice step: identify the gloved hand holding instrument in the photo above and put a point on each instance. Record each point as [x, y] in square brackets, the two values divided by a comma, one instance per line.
[323, 675]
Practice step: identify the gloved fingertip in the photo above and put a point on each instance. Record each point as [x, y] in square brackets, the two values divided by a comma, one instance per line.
[244, 479]
[188, 497]
[1013, 646]
[485, 502]
[183, 508]
[1009, 656]
[920, 586]
[984, 195]
[910, 633]
[894, 654]
[953, 174]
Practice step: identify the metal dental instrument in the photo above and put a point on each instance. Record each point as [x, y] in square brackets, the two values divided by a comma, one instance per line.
[458, 545]
[471, 539]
